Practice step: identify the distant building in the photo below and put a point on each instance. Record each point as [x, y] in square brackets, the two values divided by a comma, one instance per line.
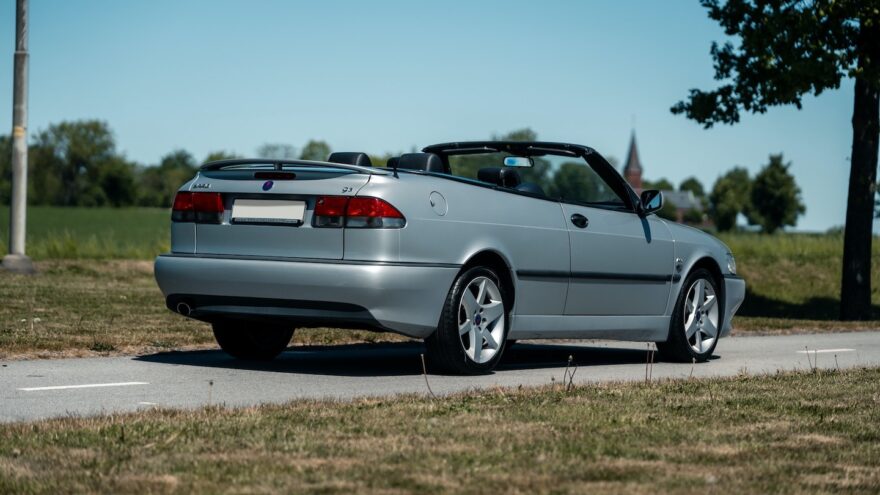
[684, 201]
[632, 171]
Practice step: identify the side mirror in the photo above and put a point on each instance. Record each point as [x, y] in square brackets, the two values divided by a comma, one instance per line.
[652, 201]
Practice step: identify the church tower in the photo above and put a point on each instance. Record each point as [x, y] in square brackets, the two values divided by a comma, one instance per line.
[632, 171]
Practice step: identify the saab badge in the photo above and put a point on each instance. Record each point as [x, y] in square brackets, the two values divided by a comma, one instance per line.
[268, 185]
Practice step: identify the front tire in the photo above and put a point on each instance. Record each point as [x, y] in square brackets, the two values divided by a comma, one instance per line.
[251, 341]
[470, 338]
[696, 320]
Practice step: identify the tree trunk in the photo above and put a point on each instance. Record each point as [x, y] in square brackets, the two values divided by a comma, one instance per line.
[855, 290]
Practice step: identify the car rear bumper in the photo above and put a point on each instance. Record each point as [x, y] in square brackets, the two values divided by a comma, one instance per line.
[734, 295]
[402, 297]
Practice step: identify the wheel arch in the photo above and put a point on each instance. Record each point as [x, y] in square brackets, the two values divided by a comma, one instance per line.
[495, 260]
[710, 264]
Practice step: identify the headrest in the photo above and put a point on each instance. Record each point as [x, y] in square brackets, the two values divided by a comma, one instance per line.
[504, 177]
[350, 158]
[428, 162]
[510, 177]
[392, 162]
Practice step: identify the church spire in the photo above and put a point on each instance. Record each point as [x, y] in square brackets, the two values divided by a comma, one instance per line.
[632, 171]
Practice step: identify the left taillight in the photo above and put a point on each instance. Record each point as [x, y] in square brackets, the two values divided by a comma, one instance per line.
[200, 207]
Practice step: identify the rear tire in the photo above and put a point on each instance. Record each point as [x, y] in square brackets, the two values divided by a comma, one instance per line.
[696, 320]
[470, 338]
[252, 341]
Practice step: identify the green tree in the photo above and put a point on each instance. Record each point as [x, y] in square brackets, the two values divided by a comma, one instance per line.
[694, 216]
[117, 183]
[76, 164]
[729, 197]
[662, 184]
[160, 183]
[775, 197]
[789, 48]
[277, 151]
[220, 155]
[315, 150]
[574, 181]
[693, 185]
[520, 135]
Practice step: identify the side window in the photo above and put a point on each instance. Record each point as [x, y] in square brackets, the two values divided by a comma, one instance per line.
[577, 182]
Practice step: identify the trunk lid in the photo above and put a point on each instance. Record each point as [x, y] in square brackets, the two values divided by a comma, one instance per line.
[269, 214]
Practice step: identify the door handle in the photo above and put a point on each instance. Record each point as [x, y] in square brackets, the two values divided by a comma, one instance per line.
[580, 221]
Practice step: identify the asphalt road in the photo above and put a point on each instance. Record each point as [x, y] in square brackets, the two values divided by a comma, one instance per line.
[39, 389]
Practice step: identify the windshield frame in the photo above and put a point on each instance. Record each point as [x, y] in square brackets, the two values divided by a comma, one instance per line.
[593, 159]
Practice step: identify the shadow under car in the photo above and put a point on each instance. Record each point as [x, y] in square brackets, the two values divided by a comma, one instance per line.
[398, 359]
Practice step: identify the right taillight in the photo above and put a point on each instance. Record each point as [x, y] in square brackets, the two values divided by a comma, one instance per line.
[200, 207]
[357, 213]
[375, 213]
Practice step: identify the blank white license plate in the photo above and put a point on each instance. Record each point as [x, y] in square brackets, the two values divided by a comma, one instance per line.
[268, 211]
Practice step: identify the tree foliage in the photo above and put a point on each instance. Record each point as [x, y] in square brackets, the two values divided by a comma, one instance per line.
[76, 164]
[574, 181]
[787, 48]
[160, 183]
[693, 185]
[277, 151]
[729, 197]
[315, 150]
[220, 155]
[775, 197]
[661, 184]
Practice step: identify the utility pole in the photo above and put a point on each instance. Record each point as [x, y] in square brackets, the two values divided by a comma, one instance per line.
[16, 260]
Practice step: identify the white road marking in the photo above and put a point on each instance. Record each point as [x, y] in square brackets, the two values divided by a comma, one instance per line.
[90, 385]
[824, 351]
[146, 403]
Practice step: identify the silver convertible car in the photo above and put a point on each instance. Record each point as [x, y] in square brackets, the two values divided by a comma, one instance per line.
[459, 245]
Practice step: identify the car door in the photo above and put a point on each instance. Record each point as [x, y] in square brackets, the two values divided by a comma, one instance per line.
[621, 262]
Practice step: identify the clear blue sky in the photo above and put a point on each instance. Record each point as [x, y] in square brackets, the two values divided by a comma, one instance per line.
[392, 75]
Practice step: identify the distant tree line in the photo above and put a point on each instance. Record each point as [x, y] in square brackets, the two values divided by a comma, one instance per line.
[78, 164]
[771, 200]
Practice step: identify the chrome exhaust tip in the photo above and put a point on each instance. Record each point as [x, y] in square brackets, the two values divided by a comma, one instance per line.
[184, 309]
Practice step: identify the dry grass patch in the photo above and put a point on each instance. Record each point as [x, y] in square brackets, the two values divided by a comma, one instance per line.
[756, 435]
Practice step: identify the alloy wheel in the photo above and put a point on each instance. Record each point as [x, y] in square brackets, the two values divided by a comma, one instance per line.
[481, 320]
[701, 316]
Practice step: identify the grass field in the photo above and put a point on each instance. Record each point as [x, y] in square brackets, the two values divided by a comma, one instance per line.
[794, 279]
[93, 233]
[95, 292]
[786, 434]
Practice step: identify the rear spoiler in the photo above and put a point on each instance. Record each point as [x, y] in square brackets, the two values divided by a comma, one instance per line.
[242, 163]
